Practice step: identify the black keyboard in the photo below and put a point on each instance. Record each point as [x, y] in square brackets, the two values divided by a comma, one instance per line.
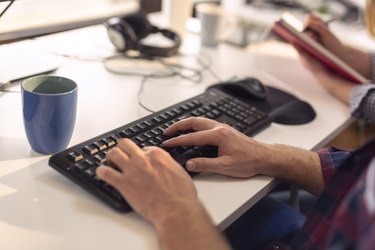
[78, 163]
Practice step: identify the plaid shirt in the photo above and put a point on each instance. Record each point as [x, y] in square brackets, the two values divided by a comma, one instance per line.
[344, 215]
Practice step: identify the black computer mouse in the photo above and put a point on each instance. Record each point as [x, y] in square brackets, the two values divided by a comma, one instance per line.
[294, 112]
[246, 88]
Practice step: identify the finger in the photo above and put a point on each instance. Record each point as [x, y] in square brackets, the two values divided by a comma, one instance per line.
[312, 35]
[205, 165]
[316, 26]
[129, 147]
[200, 138]
[117, 157]
[109, 175]
[149, 148]
[193, 123]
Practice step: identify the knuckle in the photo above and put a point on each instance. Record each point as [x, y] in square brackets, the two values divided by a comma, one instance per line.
[154, 152]
[223, 130]
[202, 165]
[113, 152]
[107, 175]
[122, 142]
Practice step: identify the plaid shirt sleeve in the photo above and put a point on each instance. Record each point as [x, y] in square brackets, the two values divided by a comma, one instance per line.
[362, 98]
[362, 102]
[330, 159]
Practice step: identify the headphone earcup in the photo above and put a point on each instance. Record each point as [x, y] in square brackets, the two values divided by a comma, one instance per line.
[121, 34]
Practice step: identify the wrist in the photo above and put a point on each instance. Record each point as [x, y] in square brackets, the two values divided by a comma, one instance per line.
[188, 226]
[178, 212]
[281, 158]
[270, 160]
[295, 165]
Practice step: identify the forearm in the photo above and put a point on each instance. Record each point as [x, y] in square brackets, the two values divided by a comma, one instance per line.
[295, 165]
[337, 86]
[359, 60]
[189, 227]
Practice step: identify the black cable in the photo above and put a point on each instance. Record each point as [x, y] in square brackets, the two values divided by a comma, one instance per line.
[155, 75]
[175, 69]
[6, 8]
[8, 91]
[171, 70]
[140, 103]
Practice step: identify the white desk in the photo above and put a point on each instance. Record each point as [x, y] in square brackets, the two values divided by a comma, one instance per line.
[41, 209]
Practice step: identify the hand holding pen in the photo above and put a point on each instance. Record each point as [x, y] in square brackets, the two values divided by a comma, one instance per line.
[318, 29]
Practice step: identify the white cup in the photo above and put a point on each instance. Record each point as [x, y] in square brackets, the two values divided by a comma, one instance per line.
[213, 20]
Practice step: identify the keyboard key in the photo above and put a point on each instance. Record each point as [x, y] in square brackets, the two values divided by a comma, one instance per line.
[90, 162]
[157, 119]
[100, 145]
[157, 131]
[142, 126]
[165, 116]
[171, 113]
[100, 158]
[81, 166]
[141, 138]
[150, 134]
[126, 133]
[135, 130]
[109, 142]
[90, 149]
[74, 156]
[149, 123]
[91, 171]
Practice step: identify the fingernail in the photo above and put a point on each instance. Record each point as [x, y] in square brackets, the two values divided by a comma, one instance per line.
[190, 165]
[98, 172]
[166, 141]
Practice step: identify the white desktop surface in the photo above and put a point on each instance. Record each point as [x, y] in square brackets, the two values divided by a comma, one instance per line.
[41, 209]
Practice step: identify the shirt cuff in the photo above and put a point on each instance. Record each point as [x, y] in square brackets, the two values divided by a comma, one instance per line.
[372, 55]
[357, 95]
[330, 160]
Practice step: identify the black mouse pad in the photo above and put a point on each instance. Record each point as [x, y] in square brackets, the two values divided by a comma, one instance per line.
[282, 107]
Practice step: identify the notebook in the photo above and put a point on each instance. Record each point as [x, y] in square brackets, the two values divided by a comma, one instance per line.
[285, 30]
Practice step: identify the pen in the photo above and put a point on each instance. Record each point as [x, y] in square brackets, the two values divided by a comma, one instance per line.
[326, 22]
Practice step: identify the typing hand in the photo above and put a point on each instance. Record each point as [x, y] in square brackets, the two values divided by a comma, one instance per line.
[150, 180]
[238, 155]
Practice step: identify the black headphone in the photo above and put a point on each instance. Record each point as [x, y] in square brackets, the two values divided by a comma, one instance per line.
[127, 32]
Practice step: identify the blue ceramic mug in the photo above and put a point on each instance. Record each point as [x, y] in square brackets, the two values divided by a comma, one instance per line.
[49, 105]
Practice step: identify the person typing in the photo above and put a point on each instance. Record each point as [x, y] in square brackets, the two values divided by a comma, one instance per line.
[160, 191]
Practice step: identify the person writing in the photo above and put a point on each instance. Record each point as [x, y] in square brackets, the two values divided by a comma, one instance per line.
[160, 191]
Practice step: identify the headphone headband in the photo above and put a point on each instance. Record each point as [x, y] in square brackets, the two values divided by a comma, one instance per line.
[162, 51]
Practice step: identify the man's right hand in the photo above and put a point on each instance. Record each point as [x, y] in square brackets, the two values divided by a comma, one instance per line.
[242, 157]
[238, 155]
